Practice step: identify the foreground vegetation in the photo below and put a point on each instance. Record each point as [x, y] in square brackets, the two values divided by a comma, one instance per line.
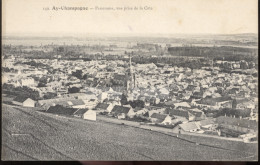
[49, 137]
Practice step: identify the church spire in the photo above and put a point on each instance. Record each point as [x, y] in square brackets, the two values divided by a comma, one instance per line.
[130, 79]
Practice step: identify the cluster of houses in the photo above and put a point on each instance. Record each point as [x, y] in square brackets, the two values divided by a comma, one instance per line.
[172, 95]
[189, 120]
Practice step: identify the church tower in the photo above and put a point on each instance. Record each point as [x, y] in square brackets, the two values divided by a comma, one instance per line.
[130, 78]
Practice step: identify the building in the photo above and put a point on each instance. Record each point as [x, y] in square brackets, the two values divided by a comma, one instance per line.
[90, 103]
[199, 115]
[25, 82]
[79, 113]
[207, 124]
[101, 107]
[130, 81]
[24, 101]
[90, 115]
[102, 96]
[180, 113]
[122, 111]
[77, 103]
[160, 118]
[182, 104]
[216, 103]
[186, 127]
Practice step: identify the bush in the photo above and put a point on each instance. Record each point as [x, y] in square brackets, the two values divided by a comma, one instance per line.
[21, 91]
[103, 113]
[137, 119]
[73, 90]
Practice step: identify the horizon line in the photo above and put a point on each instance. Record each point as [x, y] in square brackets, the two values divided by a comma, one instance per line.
[81, 35]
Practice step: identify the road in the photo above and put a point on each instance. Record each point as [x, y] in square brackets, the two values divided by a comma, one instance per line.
[32, 135]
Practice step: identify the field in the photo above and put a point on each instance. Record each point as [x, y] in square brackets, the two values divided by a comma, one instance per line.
[31, 135]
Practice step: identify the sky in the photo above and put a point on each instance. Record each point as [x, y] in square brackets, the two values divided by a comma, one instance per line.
[27, 17]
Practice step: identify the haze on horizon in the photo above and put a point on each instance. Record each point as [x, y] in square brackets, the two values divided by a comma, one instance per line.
[27, 17]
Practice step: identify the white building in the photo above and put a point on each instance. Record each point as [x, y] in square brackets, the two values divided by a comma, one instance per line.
[90, 115]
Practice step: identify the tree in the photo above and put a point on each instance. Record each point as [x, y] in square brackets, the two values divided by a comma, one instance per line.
[234, 104]
[61, 49]
[41, 84]
[43, 80]
[146, 114]
[137, 103]
[26, 92]
[73, 90]
[8, 87]
[243, 65]
[233, 112]
[77, 74]
[123, 100]
[85, 76]
[49, 95]
[250, 65]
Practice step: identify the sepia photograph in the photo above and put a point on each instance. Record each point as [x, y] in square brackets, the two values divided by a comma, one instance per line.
[121, 80]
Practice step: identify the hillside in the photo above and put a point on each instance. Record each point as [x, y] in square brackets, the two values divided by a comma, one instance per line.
[33, 135]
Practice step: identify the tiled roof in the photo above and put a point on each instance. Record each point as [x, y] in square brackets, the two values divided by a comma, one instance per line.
[120, 109]
[77, 102]
[159, 116]
[58, 109]
[189, 126]
[196, 112]
[178, 112]
[80, 112]
[102, 106]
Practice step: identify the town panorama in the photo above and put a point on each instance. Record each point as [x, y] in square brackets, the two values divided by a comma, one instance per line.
[182, 97]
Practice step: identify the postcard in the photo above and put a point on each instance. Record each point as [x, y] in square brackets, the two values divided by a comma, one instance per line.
[121, 80]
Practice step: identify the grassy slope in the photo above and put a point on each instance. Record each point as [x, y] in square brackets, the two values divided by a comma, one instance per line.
[58, 138]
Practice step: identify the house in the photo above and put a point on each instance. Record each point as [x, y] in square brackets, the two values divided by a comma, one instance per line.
[53, 102]
[186, 127]
[198, 95]
[24, 101]
[179, 120]
[216, 103]
[122, 111]
[104, 107]
[154, 100]
[239, 125]
[26, 82]
[60, 110]
[90, 115]
[77, 103]
[182, 104]
[164, 91]
[90, 103]
[180, 113]
[47, 106]
[102, 96]
[199, 114]
[245, 103]
[83, 96]
[190, 88]
[207, 124]
[141, 111]
[79, 113]
[160, 118]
